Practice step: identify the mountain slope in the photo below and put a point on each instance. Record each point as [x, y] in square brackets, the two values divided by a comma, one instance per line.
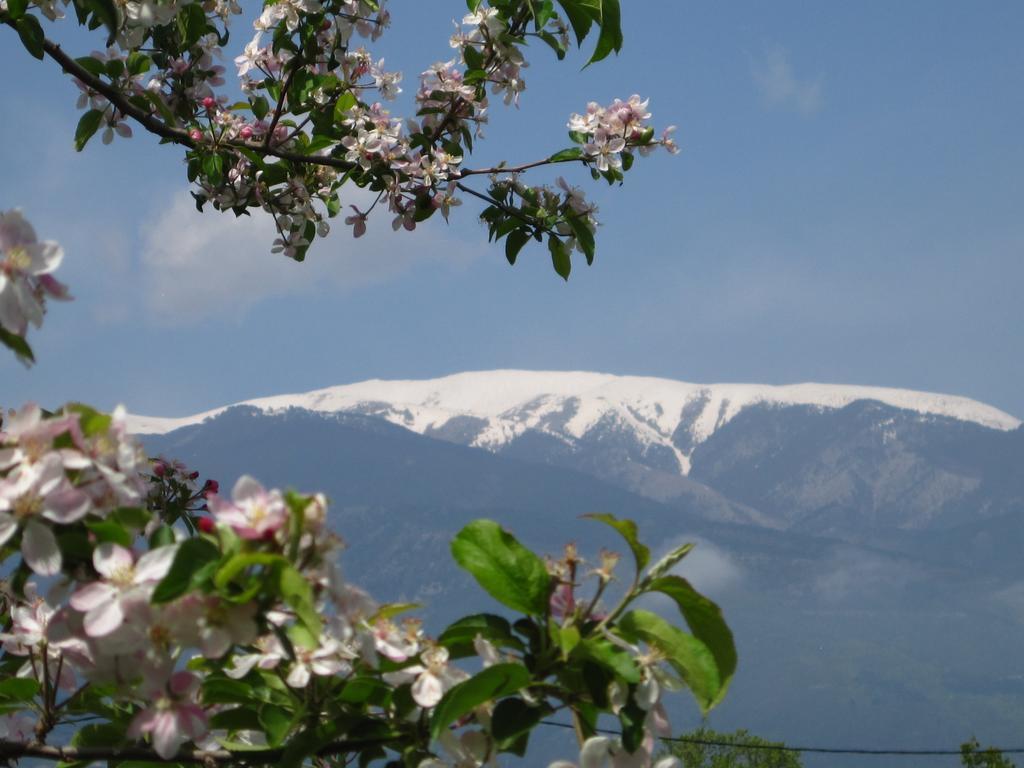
[663, 420]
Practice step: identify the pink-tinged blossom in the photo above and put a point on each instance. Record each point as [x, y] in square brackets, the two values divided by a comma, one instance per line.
[605, 149]
[125, 582]
[253, 512]
[173, 718]
[28, 636]
[23, 260]
[39, 490]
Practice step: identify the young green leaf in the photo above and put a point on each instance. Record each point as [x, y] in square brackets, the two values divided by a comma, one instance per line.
[507, 570]
[490, 684]
[88, 124]
[560, 259]
[690, 657]
[514, 243]
[191, 556]
[705, 621]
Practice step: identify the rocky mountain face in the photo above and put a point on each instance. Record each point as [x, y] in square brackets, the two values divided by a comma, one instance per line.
[865, 550]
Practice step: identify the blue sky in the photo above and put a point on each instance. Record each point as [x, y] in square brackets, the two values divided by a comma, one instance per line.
[848, 207]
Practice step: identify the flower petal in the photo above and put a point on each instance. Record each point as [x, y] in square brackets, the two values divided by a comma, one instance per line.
[104, 618]
[40, 550]
[155, 564]
[110, 558]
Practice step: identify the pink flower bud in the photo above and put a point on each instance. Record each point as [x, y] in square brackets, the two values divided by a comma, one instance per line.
[206, 524]
[195, 134]
[159, 469]
[209, 102]
[246, 132]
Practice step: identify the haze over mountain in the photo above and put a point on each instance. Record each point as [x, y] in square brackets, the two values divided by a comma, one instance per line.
[864, 542]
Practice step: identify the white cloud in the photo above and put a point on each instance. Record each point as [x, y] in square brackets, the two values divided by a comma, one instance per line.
[780, 87]
[195, 265]
[710, 569]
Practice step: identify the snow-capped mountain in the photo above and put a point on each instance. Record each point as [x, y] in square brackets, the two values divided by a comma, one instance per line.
[657, 422]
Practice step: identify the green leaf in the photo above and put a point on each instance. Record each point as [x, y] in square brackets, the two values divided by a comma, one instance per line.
[474, 59]
[581, 17]
[487, 685]
[189, 560]
[458, 637]
[572, 153]
[560, 259]
[18, 689]
[91, 65]
[213, 168]
[705, 620]
[260, 107]
[690, 657]
[88, 124]
[346, 101]
[514, 243]
[299, 595]
[16, 9]
[16, 343]
[192, 24]
[104, 12]
[132, 517]
[626, 529]
[610, 38]
[91, 421]
[161, 537]
[663, 565]
[275, 722]
[508, 571]
[512, 718]
[108, 530]
[31, 34]
[240, 562]
[608, 655]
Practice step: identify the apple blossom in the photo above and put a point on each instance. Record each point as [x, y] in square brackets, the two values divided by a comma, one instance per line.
[173, 718]
[253, 512]
[125, 582]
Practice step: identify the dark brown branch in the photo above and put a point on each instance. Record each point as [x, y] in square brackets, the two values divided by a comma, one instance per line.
[504, 208]
[518, 168]
[10, 750]
[156, 126]
[280, 101]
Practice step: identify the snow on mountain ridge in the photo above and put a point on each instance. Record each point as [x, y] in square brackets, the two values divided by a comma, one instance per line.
[568, 405]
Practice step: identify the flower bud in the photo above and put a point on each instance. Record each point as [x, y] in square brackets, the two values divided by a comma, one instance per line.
[209, 103]
[206, 524]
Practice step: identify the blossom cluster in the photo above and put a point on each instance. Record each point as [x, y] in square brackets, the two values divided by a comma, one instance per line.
[26, 274]
[607, 132]
[313, 121]
[180, 613]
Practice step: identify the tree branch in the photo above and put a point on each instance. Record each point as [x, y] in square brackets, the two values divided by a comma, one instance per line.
[162, 129]
[10, 750]
[519, 168]
[299, 64]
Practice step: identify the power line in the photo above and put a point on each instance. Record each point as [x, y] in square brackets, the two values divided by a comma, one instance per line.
[811, 750]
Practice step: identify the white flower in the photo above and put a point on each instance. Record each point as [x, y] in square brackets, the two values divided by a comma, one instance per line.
[23, 260]
[126, 582]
